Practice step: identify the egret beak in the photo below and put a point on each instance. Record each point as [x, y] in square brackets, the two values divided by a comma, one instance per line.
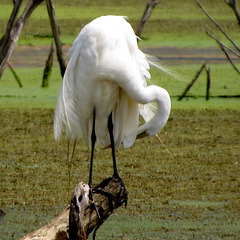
[142, 135]
[106, 147]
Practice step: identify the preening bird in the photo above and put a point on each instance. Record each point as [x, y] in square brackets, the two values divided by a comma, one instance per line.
[104, 90]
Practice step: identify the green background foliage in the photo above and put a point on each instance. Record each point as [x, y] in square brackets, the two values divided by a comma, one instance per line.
[194, 195]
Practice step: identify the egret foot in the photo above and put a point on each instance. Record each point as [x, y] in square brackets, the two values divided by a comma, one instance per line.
[123, 187]
[92, 204]
[120, 198]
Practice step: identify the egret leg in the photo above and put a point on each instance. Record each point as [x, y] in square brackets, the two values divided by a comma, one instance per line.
[110, 129]
[93, 140]
[115, 171]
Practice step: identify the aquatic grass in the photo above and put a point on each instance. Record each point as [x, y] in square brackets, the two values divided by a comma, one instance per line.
[224, 82]
[194, 194]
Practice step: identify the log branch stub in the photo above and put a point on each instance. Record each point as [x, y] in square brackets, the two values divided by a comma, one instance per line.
[79, 204]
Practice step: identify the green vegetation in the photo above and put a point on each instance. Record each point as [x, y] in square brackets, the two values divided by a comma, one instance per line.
[193, 196]
[169, 25]
[172, 23]
[32, 95]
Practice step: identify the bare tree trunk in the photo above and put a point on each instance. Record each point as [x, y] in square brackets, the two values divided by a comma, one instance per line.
[16, 7]
[146, 15]
[56, 35]
[14, 29]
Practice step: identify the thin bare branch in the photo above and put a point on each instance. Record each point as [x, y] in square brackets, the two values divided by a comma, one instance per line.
[225, 46]
[233, 5]
[192, 82]
[15, 75]
[228, 57]
[218, 26]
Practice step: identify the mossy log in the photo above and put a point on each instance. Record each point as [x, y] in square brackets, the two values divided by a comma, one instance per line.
[79, 219]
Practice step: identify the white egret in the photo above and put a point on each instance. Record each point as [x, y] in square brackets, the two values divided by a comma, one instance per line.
[104, 90]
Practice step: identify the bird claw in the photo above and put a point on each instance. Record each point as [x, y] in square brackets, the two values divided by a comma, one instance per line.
[123, 188]
[123, 192]
[92, 203]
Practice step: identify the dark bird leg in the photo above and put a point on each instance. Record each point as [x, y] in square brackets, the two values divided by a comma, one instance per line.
[93, 140]
[115, 171]
[115, 176]
[110, 129]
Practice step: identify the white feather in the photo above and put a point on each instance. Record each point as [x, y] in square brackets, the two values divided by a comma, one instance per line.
[108, 72]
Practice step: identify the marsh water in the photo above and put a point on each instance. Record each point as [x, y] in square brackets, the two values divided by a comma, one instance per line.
[32, 56]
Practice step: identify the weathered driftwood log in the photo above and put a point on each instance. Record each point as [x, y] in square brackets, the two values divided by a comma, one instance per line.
[79, 219]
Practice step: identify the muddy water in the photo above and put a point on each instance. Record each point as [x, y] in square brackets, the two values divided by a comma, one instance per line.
[178, 56]
[32, 56]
